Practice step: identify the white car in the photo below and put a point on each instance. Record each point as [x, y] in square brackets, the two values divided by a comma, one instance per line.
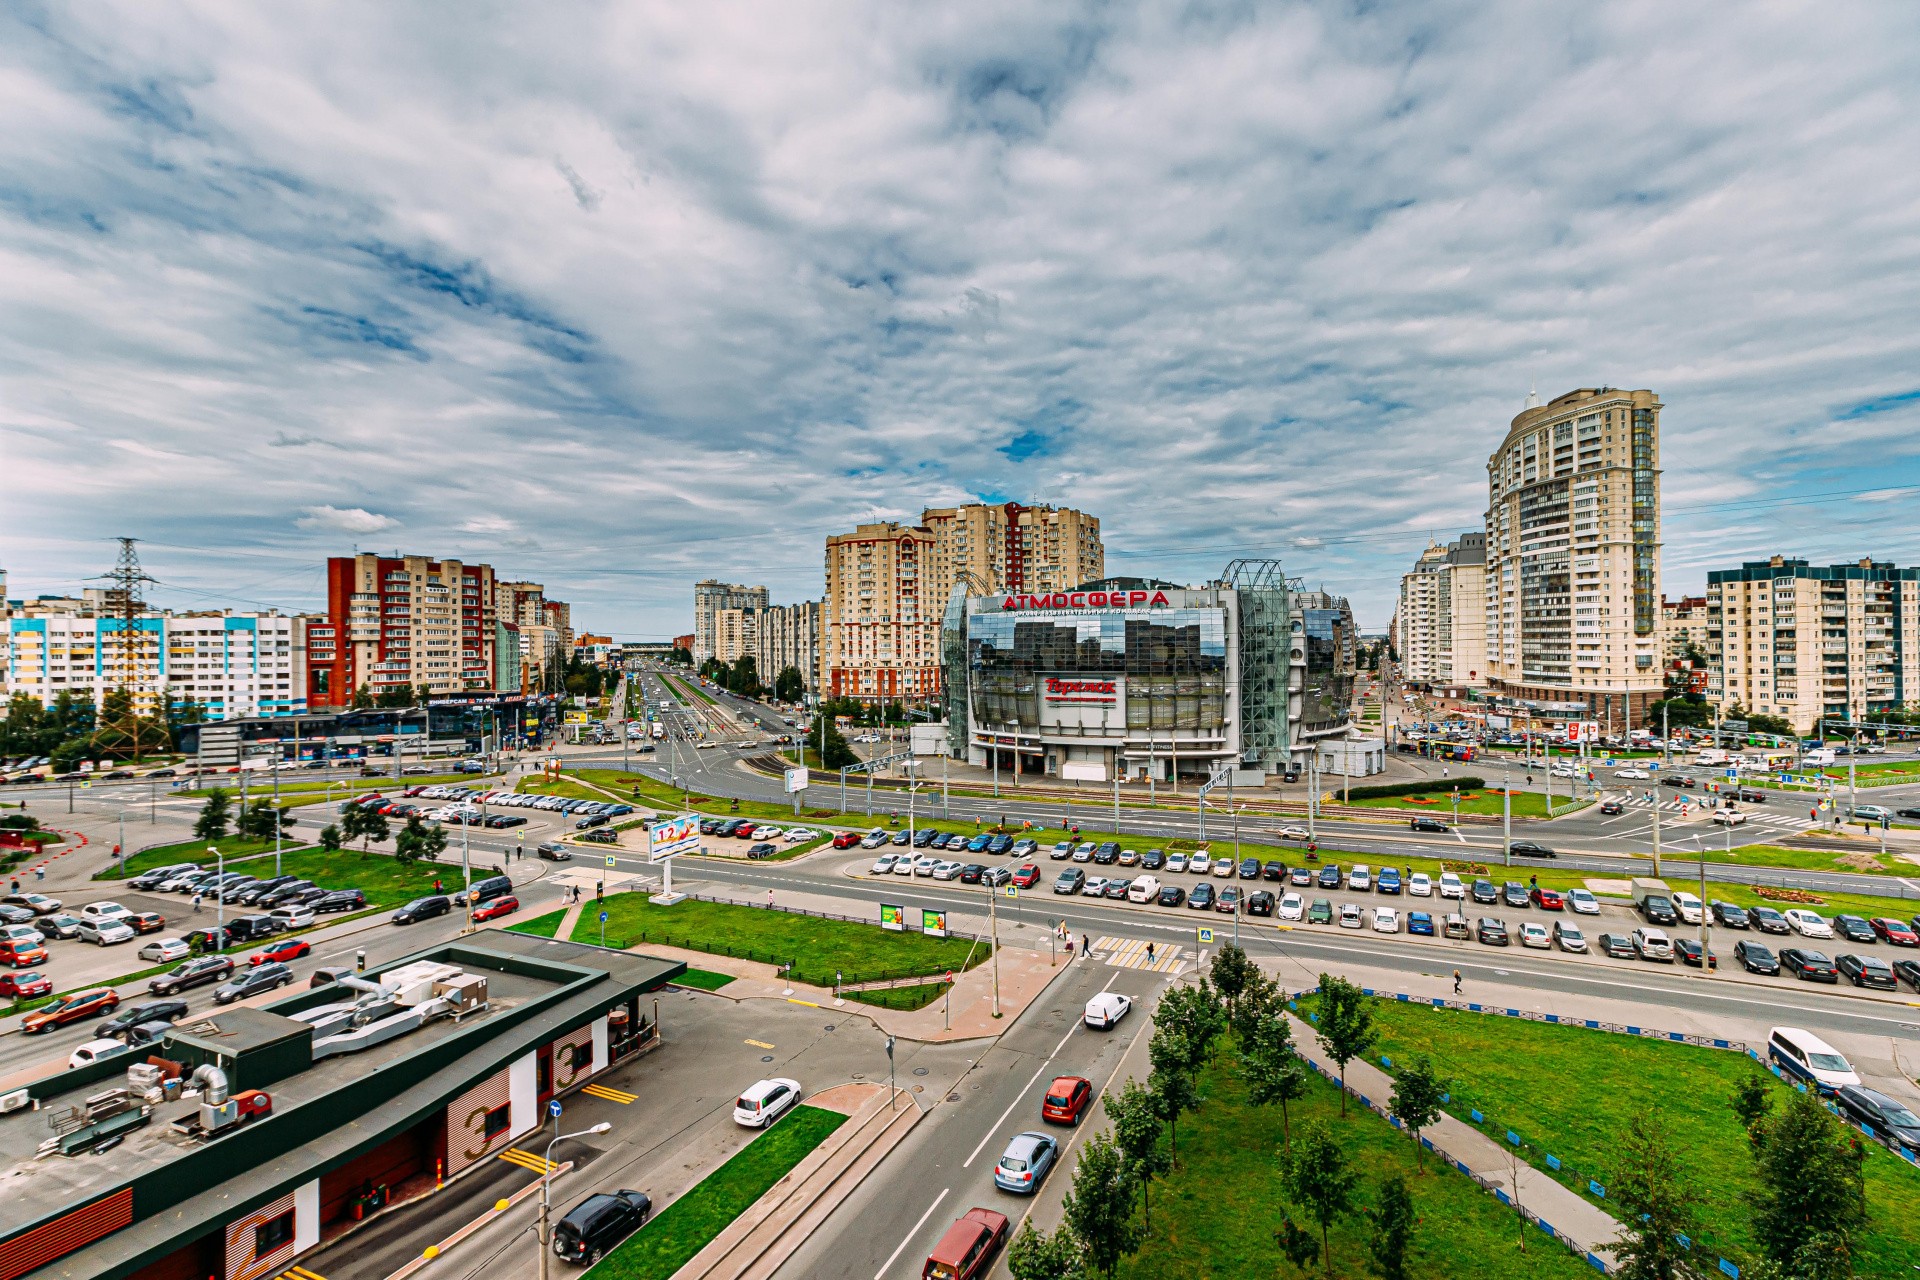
[23, 935]
[1176, 862]
[762, 1104]
[1727, 817]
[166, 950]
[290, 918]
[1294, 833]
[1639, 774]
[1199, 864]
[1292, 907]
[1360, 879]
[1145, 889]
[1450, 886]
[1349, 915]
[1582, 902]
[94, 1050]
[1386, 920]
[883, 865]
[105, 932]
[1420, 885]
[1105, 1010]
[1562, 771]
[103, 911]
[1533, 934]
[874, 839]
[923, 866]
[1095, 887]
[797, 834]
[1809, 924]
[1688, 906]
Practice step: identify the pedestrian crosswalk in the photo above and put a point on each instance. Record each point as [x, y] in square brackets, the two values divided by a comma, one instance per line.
[1790, 817]
[1131, 953]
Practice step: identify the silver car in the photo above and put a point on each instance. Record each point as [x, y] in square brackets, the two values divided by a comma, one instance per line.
[1027, 1160]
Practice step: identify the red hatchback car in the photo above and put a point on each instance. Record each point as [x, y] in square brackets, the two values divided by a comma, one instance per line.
[1067, 1100]
[291, 949]
[846, 840]
[1548, 899]
[1027, 876]
[145, 921]
[494, 910]
[25, 986]
[1898, 932]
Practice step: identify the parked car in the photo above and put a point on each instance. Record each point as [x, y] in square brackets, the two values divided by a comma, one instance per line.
[1420, 923]
[1201, 899]
[1756, 957]
[1616, 946]
[765, 1101]
[1547, 899]
[1808, 965]
[1688, 949]
[1567, 936]
[1582, 902]
[1808, 924]
[1768, 920]
[1897, 932]
[1321, 912]
[1172, 895]
[1729, 915]
[1491, 932]
[25, 986]
[598, 1223]
[340, 900]
[1854, 928]
[1260, 903]
[1868, 971]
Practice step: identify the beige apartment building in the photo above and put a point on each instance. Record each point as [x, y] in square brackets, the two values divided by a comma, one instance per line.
[1683, 624]
[735, 634]
[1440, 623]
[402, 621]
[1573, 555]
[879, 626]
[1010, 547]
[789, 636]
[710, 596]
[1813, 642]
[545, 633]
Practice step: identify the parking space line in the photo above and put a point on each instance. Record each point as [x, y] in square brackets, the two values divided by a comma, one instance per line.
[878, 1275]
[760, 1044]
[620, 1096]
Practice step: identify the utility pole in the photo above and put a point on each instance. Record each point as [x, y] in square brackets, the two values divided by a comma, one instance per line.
[276, 821]
[993, 925]
[1506, 814]
[1656, 834]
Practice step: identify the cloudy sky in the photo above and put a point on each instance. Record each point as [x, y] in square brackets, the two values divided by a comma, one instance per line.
[620, 296]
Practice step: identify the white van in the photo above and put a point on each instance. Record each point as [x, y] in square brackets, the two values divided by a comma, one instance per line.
[1805, 1057]
[1145, 889]
[1819, 757]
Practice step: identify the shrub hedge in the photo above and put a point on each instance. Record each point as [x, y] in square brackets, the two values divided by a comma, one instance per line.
[1438, 786]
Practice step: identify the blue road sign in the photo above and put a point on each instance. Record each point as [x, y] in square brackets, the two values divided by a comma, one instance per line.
[553, 1108]
[603, 917]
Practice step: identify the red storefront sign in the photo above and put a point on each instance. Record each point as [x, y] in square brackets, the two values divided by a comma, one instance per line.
[1087, 600]
[1099, 691]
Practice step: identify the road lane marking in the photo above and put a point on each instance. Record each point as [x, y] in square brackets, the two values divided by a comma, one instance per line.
[911, 1234]
[528, 1160]
[620, 1096]
[760, 1044]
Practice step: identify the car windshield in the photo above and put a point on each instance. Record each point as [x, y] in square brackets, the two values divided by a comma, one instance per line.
[1898, 1115]
[1828, 1062]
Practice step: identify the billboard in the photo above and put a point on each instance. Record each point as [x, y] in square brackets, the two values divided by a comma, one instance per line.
[674, 835]
[1083, 770]
[796, 780]
[933, 923]
[892, 917]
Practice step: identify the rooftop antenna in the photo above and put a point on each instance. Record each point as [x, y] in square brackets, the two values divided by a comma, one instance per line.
[1533, 396]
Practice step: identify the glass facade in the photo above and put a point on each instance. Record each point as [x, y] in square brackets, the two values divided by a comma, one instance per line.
[1174, 662]
[1327, 689]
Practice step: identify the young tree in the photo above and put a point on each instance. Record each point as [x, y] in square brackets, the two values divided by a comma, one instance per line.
[789, 684]
[1316, 1175]
[1346, 1026]
[830, 745]
[1231, 972]
[433, 843]
[1656, 1206]
[1393, 1219]
[1752, 1101]
[1272, 1070]
[1137, 1124]
[1100, 1206]
[258, 821]
[1057, 1256]
[1259, 1000]
[363, 697]
[211, 825]
[330, 839]
[372, 826]
[1171, 1082]
[1195, 1014]
[414, 839]
[1417, 1091]
[1812, 1192]
[1297, 1244]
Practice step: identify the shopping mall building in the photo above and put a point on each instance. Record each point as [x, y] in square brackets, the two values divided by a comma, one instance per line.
[1137, 678]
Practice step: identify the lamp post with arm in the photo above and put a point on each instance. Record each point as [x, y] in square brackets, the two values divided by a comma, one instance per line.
[546, 1182]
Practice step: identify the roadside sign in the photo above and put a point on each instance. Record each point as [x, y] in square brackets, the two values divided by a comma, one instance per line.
[933, 923]
[553, 1108]
[1653, 766]
[609, 859]
[603, 917]
[1012, 891]
[892, 917]
[1206, 936]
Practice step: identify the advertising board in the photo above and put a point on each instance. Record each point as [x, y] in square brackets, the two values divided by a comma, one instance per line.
[673, 835]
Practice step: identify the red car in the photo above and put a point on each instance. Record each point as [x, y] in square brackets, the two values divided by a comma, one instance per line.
[1027, 876]
[1067, 1100]
[145, 921]
[291, 949]
[495, 909]
[74, 1007]
[846, 840]
[744, 831]
[1548, 899]
[1898, 932]
[25, 986]
[967, 1250]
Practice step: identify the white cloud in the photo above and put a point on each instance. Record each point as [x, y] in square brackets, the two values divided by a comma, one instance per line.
[693, 288]
[345, 520]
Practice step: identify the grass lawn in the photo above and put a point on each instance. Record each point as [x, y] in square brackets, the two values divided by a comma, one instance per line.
[686, 1226]
[195, 851]
[1498, 1065]
[705, 979]
[1439, 802]
[1215, 1215]
[816, 948]
[905, 999]
[545, 926]
[659, 795]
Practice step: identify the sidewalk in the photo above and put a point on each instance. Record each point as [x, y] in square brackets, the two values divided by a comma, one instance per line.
[1479, 1156]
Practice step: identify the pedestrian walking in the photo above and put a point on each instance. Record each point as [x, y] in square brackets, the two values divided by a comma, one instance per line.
[1149, 953]
[196, 904]
[1456, 982]
[16, 883]
[1086, 948]
[769, 899]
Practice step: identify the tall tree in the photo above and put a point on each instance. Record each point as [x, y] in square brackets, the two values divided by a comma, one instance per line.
[789, 684]
[1656, 1206]
[1392, 1219]
[1752, 1102]
[1273, 1070]
[830, 745]
[1195, 1013]
[1417, 1093]
[330, 839]
[1137, 1125]
[1055, 1256]
[1812, 1197]
[1259, 999]
[363, 697]
[1317, 1176]
[1230, 974]
[368, 825]
[414, 841]
[1100, 1206]
[211, 825]
[1171, 1082]
[1346, 1029]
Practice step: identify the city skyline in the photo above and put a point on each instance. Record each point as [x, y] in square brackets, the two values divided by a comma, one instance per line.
[1270, 285]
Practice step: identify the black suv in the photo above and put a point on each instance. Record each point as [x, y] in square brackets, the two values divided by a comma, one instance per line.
[437, 904]
[340, 900]
[1867, 971]
[1107, 854]
[191, 973]
[1153, 860]
[1657, 909]
[598, 1223]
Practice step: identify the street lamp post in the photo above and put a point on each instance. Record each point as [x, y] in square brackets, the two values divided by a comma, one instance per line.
[546, 1182]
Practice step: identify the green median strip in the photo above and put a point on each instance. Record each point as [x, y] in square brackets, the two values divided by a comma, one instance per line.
[690, 1223]
[545, 926]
